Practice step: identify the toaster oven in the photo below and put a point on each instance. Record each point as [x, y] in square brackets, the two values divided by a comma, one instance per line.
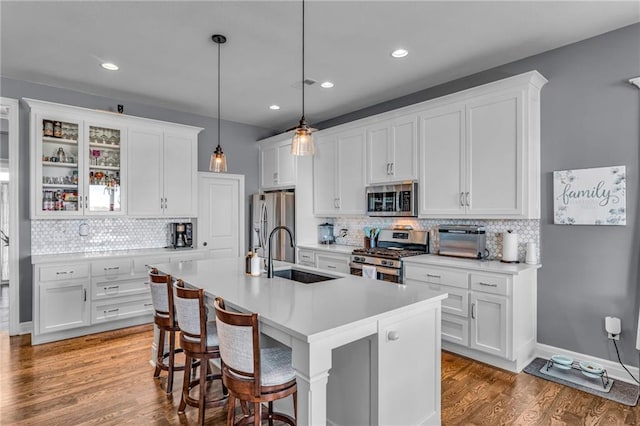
[463, 241]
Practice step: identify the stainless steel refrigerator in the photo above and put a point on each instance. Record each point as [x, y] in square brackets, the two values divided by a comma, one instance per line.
[269, 210]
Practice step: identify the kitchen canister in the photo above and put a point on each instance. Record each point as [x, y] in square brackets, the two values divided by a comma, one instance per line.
[532, 257]
[510, 247]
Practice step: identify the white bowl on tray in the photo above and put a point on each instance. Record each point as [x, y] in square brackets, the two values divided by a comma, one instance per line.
[562, 362]
[591, 369]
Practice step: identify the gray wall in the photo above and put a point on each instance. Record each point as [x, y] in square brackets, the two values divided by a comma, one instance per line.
[238, 143]
[590, 118]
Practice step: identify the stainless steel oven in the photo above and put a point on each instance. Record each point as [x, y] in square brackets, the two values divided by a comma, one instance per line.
[393, 200]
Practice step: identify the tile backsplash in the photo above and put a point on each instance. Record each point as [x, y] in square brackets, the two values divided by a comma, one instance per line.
[527, 230]
[62, 236]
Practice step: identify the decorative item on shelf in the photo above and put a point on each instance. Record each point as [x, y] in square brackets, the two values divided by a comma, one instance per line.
[47, 128]
[62, 157]
[302, 143]
[218, 161]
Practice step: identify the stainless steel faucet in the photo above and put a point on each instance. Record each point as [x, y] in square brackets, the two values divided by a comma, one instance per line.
[270, 258]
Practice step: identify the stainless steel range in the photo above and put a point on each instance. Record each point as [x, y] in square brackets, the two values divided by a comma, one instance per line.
[393, 245]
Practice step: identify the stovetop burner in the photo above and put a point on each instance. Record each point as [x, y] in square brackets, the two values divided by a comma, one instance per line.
[388, 253]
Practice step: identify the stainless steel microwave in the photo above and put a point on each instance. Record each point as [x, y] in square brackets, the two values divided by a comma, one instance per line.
[393, 200]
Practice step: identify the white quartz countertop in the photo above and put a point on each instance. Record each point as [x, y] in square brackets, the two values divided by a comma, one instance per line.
[308, 311]
[97, 255]
[329, 248]
[471, 264]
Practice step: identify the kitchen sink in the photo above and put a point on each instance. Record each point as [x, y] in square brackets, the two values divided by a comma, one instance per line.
[302, 276]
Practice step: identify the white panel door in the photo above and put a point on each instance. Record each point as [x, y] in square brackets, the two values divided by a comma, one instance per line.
[378, 146]
[144, 172]
[63, 305]
[494, 155]
[442, 162]
[180, 175]
[351, 181]
[404, 149]
[489, 327]
[325, 200]
[219, 216]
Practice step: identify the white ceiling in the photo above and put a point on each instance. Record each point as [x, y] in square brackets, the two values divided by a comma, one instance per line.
[167, 58]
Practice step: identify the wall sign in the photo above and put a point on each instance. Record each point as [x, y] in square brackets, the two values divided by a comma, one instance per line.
[590, 196]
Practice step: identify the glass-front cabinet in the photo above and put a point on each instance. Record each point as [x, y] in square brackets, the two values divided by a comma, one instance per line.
[79, 167]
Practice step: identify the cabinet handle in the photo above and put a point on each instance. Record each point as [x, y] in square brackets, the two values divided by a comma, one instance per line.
[147, 283]
[434, 276]
[392, 171]
[275, 177]
[166, 204]
[111, 311]
[467, 198]
[112, 268]
[488, 284]
[388, 168]
[86, 201]
[392, 335]
[462, 199]
[64, 272]
[473, 311]
[338, 199]
[146, 305]
[84, 291]
[331, 267]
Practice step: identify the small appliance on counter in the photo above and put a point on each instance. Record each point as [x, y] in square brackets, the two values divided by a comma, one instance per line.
[181, 235]
[463, 241]
[325, 234]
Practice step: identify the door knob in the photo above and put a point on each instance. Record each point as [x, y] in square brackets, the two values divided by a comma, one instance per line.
[392, 335]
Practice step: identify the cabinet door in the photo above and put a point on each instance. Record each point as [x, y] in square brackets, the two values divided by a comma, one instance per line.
[180, 175]
[268, 166]
[144, 167]
[495, 155]
[489, 326]
[442, 158]
[57, 164]
[351, 186]
[325, 201]
[286, 165]
[378, 146]
[63, 305]
[103, 175]
[404, 149]
[218, 216]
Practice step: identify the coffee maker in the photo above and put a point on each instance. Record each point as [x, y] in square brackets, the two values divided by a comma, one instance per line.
[181, 235]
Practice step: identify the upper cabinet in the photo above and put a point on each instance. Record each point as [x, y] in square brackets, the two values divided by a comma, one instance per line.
[277, 164]
[480, 151]
[392, 150]
[86, 162]
[339, 173]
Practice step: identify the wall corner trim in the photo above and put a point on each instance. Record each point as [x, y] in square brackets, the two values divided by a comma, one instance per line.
[635, 81]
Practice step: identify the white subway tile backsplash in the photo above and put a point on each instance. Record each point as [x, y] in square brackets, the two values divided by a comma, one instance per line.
[527, 230]
[62, 236]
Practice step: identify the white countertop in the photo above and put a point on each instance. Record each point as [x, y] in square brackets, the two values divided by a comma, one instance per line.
[471, 264]
[97, 255]
[330, 248]
[307, 311]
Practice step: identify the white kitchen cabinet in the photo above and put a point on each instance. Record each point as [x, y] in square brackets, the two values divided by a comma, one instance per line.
[306, 258]
[392, 150]
[480, 151]
[488, 316]
[333, 262]
[277, 164]
[61, 299]
[338, 174]
[162, 166]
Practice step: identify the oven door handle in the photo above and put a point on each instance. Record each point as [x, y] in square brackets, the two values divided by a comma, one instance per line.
[380, 269]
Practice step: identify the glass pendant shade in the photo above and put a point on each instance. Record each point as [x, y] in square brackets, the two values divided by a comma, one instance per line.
[302, 140]
[218, 163]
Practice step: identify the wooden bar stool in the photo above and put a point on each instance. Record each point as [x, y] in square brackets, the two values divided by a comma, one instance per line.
[250, 373]
[199, 340]
[164, 318]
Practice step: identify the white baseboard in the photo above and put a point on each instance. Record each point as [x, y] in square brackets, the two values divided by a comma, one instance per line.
[614, 370]
[25, 328]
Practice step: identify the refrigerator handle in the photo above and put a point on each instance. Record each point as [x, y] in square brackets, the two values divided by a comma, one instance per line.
[263, 226]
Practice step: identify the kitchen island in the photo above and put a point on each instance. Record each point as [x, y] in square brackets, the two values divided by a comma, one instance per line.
[379, 342]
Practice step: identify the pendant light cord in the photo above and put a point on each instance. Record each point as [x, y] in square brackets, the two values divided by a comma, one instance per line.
[218, 95]
[303, 60]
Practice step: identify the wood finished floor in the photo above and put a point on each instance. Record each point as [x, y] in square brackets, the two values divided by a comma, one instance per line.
[106, 379]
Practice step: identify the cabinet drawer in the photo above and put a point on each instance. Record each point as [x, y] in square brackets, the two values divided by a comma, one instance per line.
[121, 308]
[110, 269]
[187, 257]
[64, 272]
[496, 284]
[141, 264]
[307, 257]
[104, 288]
[455, 329]
[437, 275]
[456, 304]
[332, 263]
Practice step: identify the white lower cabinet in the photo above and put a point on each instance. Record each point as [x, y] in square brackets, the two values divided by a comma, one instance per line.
[306, 258]
[333, 262]
[490, 317]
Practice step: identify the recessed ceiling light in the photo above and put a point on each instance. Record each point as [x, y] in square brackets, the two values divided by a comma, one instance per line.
[326, 85]
[110, 66]
[399, 53]
[274, 107]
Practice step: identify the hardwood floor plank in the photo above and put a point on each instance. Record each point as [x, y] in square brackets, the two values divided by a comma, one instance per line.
[106, 379]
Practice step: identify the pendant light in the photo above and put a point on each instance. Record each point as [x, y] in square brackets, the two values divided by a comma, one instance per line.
[302, 137]
[218, 163]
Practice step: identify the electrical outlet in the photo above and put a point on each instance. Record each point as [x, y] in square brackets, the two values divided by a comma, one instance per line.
[613, 327]
[613, 336]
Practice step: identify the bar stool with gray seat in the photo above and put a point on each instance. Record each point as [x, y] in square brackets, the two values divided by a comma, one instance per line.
[164, 318]
[199, 340]
[250, 373]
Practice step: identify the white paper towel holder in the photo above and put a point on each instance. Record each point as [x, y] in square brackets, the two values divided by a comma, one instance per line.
[509, 261]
